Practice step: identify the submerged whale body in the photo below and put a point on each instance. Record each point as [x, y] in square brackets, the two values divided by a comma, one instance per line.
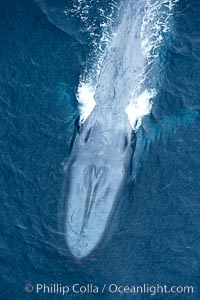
[99, 162]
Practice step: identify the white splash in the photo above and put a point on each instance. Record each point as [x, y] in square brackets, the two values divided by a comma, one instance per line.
[140, 107]
[85, 97]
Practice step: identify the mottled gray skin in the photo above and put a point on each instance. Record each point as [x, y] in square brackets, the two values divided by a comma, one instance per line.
[100, 158]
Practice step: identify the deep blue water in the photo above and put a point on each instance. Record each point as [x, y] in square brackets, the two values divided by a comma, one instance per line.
[155, 236]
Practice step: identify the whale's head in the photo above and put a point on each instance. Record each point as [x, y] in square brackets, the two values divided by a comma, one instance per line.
[95, 176]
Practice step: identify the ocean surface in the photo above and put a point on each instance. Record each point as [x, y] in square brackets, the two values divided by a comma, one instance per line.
[52, 54]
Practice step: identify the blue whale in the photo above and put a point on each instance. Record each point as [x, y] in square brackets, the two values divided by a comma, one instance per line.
[99, 162]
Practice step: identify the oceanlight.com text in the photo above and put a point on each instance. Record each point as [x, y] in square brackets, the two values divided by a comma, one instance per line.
[111, 288]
